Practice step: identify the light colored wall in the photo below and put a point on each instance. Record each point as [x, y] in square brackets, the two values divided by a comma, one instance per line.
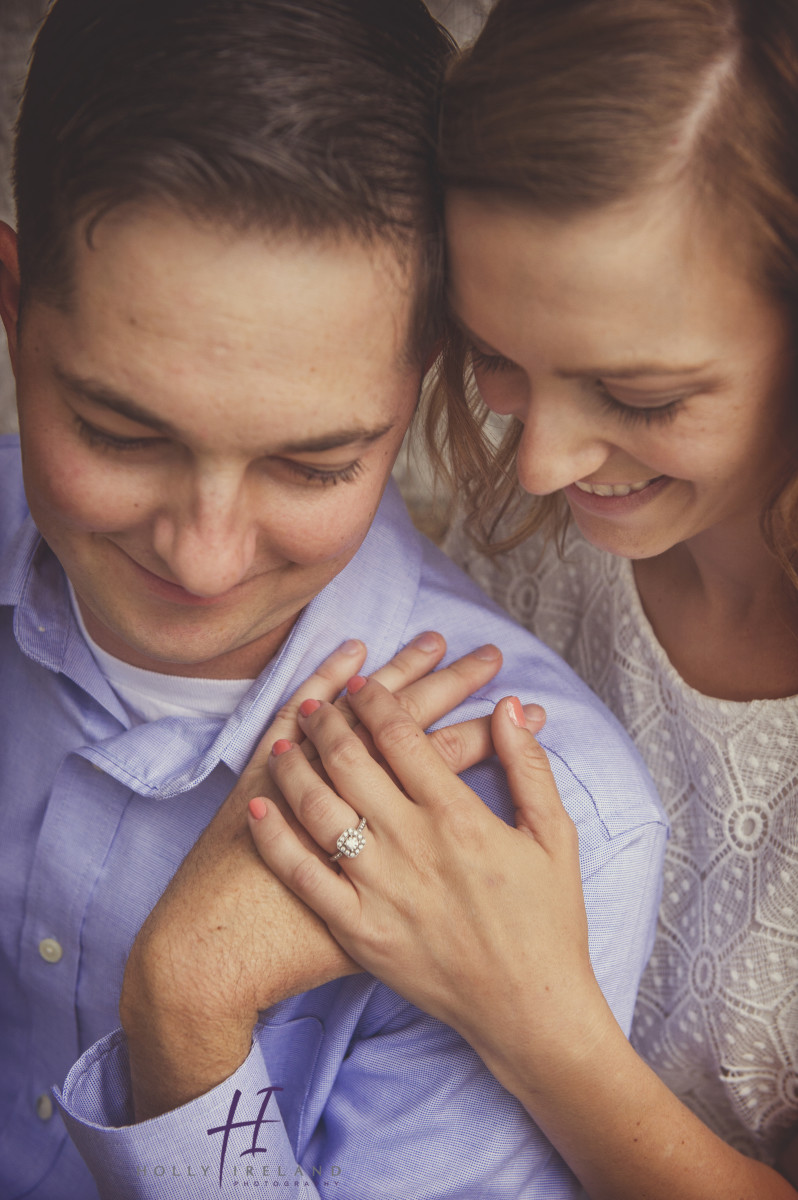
[18, 22]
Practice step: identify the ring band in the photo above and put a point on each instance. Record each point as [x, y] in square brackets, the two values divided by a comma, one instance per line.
[350, 843]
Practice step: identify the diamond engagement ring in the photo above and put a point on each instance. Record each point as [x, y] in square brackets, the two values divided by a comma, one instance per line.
[350, 843]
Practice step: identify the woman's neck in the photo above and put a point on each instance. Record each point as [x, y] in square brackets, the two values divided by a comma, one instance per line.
[725, 614]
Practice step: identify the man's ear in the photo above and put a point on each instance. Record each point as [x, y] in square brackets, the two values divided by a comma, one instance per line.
[9, 288]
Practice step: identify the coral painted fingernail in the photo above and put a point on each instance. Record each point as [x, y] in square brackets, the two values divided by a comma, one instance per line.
[258, 808]
[355, 684]
[308, 707]
[516, 713]
[428, 642]
[350, 647]
[280, 747]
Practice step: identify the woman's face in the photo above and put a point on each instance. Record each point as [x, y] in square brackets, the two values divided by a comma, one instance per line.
[653, 379]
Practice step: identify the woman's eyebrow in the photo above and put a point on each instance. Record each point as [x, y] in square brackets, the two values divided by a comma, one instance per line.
[636, 370]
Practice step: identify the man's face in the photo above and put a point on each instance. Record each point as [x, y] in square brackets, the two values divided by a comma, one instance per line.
[208, 427]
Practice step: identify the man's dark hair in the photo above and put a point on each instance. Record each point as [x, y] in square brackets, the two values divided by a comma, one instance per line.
[313, 117]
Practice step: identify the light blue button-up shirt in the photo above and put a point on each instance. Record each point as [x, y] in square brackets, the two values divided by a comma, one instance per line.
[372, 1099]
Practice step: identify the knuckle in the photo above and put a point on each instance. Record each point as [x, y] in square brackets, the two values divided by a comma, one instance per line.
[286, 713]
[315, 803]
[410, 704]
[449, 744]
[304, 876]
[396, 735]
[344, 754]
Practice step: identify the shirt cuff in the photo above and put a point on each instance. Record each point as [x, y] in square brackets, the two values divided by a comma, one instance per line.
[188, 1152]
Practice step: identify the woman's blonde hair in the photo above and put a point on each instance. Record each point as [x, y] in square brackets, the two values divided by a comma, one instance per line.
[571, 105]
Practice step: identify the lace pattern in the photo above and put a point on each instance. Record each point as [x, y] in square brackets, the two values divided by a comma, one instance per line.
[717, 1012]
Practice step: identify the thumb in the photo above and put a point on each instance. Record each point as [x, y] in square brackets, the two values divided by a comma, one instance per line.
[538, 808]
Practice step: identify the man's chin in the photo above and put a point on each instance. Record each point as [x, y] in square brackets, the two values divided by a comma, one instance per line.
[197, 653]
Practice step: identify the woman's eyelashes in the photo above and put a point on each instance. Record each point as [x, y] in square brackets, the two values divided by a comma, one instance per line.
[647, 412]
[655, 409]
[490, 362]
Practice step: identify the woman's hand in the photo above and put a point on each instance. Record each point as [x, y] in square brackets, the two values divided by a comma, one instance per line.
[472, 920]
[227, 939]
[484, 926]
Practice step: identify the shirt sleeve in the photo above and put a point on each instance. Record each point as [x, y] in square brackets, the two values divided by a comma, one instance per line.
[406, 1111]
[412, 1113]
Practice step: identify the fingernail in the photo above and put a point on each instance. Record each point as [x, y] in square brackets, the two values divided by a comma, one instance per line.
[535, 715]
[280, 747]
[350, 647]
[307, 707]
[355, 684]
[516, 713]
[428, 642]
[258, 808]
[489, 652]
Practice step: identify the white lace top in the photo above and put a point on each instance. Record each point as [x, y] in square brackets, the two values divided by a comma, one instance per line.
[717, 1013]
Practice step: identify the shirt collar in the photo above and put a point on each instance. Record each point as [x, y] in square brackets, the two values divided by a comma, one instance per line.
[371, 598]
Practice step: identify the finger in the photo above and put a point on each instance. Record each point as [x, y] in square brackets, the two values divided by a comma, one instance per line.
[430, 698]
[404, 746]
[329, 894]
[320, 811]
[415, 660]
[469, 742]
[538, 807]
[326, 682]
[408, 752]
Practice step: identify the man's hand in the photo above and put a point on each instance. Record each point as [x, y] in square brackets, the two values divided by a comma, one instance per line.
[227, 939]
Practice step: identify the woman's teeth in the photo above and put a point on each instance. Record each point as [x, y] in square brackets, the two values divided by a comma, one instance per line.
[612, 489]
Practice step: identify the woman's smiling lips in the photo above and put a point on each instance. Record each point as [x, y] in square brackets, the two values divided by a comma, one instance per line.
[606, 499]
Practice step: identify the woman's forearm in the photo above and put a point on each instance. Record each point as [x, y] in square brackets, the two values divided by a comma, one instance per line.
[620, 1129]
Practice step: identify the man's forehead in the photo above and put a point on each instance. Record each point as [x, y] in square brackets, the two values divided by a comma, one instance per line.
[401, 262]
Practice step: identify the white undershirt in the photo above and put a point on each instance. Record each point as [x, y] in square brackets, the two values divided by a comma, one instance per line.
[148, 695]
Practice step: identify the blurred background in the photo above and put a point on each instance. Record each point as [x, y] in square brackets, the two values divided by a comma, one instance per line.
[19, 20]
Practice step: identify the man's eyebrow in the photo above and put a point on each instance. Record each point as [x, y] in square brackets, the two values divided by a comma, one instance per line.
[105, 397]
[357, 435]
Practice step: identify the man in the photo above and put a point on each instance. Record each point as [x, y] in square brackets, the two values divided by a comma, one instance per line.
[218, 310]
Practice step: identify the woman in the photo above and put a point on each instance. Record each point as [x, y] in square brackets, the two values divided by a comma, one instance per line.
[623, 242]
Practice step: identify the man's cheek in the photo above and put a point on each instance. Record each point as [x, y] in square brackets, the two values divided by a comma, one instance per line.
[82, 498]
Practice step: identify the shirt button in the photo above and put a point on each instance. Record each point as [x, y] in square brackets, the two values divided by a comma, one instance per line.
[50, 950]
[44, 1107]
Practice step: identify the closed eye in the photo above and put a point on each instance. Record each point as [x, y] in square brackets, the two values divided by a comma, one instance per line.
[325, 476]
[101, 439]
[631, 414]
[490, 362]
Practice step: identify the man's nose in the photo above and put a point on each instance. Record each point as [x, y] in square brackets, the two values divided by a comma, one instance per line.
[559, 445]
[206, 533]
